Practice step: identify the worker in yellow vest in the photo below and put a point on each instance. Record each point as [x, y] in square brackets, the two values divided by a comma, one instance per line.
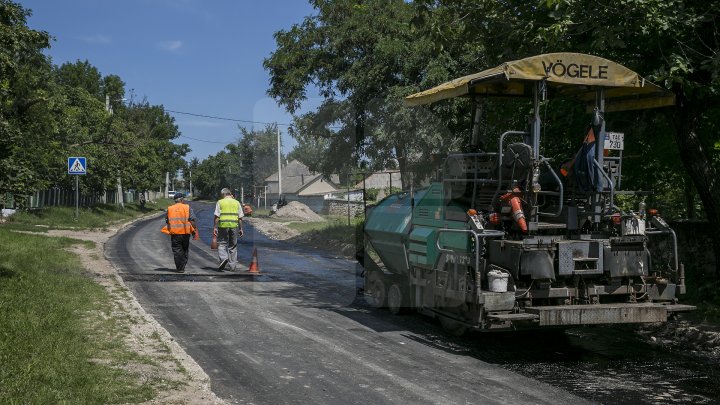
[180, 224]
[228, 228]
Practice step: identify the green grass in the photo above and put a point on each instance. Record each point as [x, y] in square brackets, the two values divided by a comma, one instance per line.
[335, 230]
[260, 212]
[99, 217]
[59, 342]
[331, 221]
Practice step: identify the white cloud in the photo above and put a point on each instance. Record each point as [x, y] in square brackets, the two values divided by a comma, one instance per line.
[97, 39]
[170, 45]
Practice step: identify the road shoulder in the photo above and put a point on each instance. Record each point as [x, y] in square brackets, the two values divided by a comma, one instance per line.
[184, 381]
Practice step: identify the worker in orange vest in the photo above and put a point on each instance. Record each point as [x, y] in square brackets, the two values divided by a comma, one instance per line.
[181, 224]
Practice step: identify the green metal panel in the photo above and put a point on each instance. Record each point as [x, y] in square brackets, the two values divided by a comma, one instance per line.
[387, 227]
[402, 224]
[423, 242]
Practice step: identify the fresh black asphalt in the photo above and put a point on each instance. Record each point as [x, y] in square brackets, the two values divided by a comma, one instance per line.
[297, 334]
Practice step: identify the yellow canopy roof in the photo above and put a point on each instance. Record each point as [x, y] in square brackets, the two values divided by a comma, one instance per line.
[566, 74]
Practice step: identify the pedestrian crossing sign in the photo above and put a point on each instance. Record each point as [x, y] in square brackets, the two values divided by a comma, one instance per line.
[76, 165]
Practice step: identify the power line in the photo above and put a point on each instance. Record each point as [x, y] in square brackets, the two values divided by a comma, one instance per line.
[237, 120]
[228, 119]
[203, 140]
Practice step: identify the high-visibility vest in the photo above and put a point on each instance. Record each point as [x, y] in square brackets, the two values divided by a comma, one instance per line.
[179, 219]
[229, 213]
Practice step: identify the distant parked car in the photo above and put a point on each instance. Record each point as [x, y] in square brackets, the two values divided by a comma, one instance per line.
[171, 194]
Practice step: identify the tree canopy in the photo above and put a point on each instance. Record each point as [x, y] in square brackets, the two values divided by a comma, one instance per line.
[361, 56]
[49, 113]
[241, 166]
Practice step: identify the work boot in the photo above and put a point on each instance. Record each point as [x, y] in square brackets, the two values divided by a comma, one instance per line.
[223, 264]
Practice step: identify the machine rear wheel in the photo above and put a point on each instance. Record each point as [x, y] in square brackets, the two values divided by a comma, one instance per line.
[396, 300]
[375, 290]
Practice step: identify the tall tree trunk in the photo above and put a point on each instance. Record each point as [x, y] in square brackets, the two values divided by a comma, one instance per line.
[698, 164]
[689, 199]
[405, 176]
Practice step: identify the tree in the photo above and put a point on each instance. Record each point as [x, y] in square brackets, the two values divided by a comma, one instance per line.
[313, 151]
[258, 154]
[148, 131]
[50, 113]
[23, 85]
[81, 75]
[244, 164]
[361, 56]
[133, 143]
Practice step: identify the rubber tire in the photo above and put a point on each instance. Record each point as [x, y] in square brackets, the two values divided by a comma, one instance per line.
[375, 290]
[396, 300]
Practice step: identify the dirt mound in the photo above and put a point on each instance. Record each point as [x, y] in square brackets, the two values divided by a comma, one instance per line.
[299, 211]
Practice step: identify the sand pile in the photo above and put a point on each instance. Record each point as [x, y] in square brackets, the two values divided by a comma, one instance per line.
[299, 211]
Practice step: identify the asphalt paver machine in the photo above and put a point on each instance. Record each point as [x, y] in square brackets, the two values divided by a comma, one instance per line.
[502, 240]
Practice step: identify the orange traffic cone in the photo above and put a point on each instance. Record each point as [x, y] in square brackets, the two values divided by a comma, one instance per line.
[254, 267]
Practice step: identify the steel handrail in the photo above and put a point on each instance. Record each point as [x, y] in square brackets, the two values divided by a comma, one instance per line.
[500, 158]
[562, 197]
[610, 182]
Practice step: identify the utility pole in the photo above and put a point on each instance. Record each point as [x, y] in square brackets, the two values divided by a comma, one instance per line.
[191, 193]
[108, 108]
[277, 128]
[120, 193]
[167, 184]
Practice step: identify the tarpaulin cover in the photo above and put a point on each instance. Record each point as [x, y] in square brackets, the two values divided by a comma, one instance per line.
[573, 75]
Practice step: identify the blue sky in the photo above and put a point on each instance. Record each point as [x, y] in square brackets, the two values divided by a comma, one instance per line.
[202, 57]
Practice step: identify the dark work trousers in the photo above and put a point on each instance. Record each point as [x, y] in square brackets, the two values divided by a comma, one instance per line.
[180, 246]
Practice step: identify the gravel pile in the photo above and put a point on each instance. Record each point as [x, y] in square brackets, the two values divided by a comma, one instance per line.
[299, 211]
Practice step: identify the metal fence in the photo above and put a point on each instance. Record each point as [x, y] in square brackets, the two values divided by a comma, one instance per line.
[59, 197]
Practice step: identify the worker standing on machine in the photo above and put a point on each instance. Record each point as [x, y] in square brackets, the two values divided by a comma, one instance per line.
[228, 228]
[180, 224]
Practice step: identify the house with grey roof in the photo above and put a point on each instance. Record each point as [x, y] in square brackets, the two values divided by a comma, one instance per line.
[299, 181]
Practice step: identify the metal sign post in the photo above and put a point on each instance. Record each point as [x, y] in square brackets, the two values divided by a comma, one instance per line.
[77, 166]
[77, 197]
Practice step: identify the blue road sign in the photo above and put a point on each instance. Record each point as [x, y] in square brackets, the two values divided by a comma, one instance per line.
[76, 165]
